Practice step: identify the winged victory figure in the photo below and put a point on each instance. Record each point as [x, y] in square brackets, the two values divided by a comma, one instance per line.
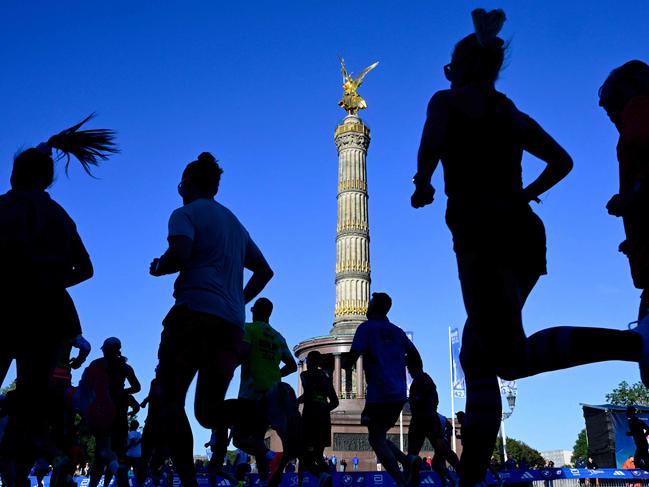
[351, 101]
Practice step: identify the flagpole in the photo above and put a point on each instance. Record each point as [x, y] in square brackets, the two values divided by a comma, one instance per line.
[450, 355]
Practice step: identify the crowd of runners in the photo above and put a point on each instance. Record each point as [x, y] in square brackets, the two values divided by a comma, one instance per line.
[479, 136]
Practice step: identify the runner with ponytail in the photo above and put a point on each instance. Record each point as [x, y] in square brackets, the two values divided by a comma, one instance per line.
[41, 254]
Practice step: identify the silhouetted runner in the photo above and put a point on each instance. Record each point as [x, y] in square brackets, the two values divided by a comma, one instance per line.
[41, 255]
[202, 333]
[386, 351]
[264, 349]
[134, 448]
[106, 412]
[154, 448]
[319, 399]
[480, 137]
[639, 430]
[62, 414]
[425, 423]
[625, 97]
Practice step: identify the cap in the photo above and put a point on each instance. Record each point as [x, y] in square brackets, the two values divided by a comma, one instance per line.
[112, 343]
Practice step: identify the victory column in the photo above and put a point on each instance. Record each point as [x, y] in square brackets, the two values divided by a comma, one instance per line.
[352, 138]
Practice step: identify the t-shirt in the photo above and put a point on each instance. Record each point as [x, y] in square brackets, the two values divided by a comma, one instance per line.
[39, 242]
[212, 280]
[633, 155]
[260, 370]
[384, 347]
[423, 396]
[241, 457]
[481, 153]
[136, 450]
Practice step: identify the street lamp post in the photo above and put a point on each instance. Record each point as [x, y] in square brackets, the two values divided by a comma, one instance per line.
[511, 402]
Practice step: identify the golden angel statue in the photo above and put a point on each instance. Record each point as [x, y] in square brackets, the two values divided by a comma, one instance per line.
[351, 101]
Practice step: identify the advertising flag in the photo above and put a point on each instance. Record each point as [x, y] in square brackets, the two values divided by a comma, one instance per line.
[459, 386]
[457, 374]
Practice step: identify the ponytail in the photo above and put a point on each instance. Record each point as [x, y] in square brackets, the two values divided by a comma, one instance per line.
[34, 168]
[87, 146]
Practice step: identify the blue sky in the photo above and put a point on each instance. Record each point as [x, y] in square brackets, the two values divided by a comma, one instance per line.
[257, 84]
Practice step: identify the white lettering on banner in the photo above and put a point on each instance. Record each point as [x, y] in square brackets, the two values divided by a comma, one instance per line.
[224, 483]
[619, 473]
[378, 479]
[559, 471]
[360, 479]
[428, 480]
[574, 471]
[347, 479]
[84, 483]
[527, 475]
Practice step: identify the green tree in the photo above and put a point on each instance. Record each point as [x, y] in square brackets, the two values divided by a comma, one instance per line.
[626, 395]
[518, 451]
[580, 450]
[10, 387]
[86, 440]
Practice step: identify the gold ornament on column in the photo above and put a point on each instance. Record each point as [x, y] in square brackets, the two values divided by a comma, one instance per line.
[351, 101]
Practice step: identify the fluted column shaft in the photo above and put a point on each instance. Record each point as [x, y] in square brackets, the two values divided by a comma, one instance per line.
[360, 379]
[337, 373]
[352, 139]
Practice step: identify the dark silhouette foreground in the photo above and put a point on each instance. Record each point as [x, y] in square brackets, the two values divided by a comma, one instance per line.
[480, 136]
[42, 255]
[202, 334]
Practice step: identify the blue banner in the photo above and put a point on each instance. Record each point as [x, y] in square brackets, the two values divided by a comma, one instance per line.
[411, 337]
[427, 479]
[457, 379]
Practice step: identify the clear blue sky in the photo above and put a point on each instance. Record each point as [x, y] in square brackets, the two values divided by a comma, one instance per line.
[257, 83]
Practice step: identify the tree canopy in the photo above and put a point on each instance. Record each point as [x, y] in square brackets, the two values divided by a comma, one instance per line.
[626, 395]
[10, 387]
[580, 450]
[518, 451]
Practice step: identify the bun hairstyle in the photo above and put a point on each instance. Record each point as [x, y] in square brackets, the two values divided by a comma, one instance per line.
[487, 26]
[204, 173]
[479, 56]
[34, 167]
[623, 83]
